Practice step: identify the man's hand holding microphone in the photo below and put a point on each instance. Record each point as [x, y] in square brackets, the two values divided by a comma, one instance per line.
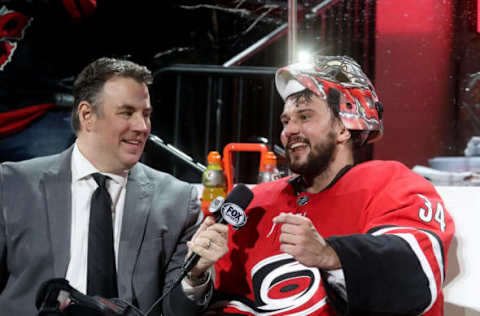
[210, 242]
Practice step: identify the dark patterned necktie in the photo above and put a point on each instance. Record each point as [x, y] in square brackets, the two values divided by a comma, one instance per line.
[102, 274]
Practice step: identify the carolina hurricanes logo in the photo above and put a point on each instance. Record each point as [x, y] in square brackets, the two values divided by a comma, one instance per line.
[12, 29]
[282, 286]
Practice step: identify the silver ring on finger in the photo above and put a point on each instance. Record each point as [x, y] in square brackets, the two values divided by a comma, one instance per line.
[209, 244]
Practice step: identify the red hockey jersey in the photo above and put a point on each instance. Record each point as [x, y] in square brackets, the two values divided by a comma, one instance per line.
[388, 226]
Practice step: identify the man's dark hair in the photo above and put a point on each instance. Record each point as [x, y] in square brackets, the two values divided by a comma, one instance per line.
[90, 82]
[333, 101]
[306, 96]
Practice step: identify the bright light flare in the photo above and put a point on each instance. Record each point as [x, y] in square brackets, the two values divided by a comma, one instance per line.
[305, 57]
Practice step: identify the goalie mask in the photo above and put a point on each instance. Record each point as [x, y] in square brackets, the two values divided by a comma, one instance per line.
[359, 109]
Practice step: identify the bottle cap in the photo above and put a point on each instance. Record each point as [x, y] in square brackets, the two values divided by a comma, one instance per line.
[214, 157]
[268, 159]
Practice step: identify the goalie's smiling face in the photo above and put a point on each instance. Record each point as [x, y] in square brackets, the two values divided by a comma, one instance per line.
[309, 134]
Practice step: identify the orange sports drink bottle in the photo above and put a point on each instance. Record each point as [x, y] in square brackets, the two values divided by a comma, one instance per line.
[268, 168]
[213, 180]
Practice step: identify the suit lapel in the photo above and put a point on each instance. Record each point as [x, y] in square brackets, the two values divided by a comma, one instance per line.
[137, 208]
[57, 187]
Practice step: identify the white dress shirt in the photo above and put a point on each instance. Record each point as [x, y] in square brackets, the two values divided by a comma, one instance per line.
[83, 185]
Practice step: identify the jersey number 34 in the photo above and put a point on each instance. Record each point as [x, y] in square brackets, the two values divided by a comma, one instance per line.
[427, 214]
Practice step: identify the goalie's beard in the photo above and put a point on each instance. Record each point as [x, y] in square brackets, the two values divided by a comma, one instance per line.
[318, 159]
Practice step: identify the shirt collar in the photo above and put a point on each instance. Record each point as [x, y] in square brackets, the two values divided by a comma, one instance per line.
[82, 168]
[298, 185]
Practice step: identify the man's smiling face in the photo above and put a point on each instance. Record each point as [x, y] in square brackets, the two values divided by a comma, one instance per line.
[118, 133]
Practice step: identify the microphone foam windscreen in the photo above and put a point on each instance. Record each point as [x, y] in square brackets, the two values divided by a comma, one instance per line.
[240, 195]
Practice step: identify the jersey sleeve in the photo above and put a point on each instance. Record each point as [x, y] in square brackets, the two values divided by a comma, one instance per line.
[397, 264]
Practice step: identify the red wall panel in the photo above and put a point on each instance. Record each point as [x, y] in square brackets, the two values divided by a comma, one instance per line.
[413, 77]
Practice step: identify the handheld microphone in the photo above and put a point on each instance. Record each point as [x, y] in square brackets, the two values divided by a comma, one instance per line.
[231, 211]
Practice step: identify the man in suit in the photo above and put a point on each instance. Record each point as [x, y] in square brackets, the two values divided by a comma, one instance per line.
[46, 207]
